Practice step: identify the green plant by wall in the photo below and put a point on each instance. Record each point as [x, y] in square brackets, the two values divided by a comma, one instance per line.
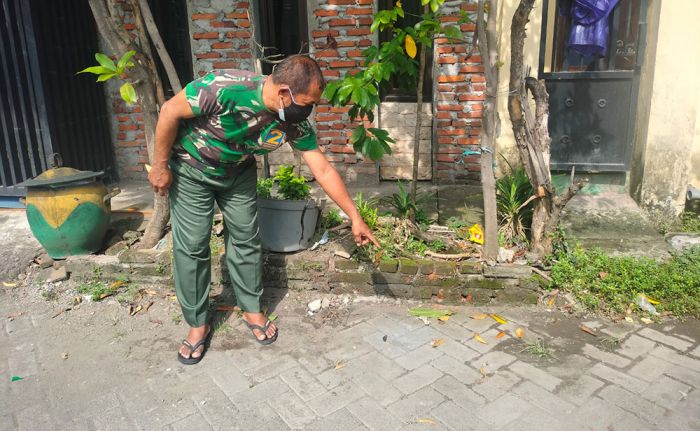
[108, 70]
[610, 284]
[393, 60]
[514, 211]
[367, 209]
[291, 186]
[331, 219]
[403, 204]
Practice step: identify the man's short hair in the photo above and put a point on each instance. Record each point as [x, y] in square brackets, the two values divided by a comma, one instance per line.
[299, 72]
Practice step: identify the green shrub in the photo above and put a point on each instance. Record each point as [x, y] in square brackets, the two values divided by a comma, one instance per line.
[291, 186]
[403, 204]
[690, 222]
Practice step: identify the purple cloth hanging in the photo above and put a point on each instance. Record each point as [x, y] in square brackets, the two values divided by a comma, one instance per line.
[590, 30]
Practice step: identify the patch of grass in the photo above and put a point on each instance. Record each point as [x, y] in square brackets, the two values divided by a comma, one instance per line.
[49, 295]
[437, 246]
[176, 318]
[538, 349]
[367, 209]
[609, 284]
[222, 327]
[311, 266]
[514, 214]
[216, 244]
[611, 342]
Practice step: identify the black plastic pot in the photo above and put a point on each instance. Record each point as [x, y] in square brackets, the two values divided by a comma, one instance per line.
[285, 225]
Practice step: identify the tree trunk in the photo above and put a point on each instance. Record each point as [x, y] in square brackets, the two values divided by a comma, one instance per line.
[489, 54]
[532, 137]
[146, 82]
[160, 46]
[416, 135]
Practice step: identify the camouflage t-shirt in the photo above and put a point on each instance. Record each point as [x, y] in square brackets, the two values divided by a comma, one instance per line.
[232, 124]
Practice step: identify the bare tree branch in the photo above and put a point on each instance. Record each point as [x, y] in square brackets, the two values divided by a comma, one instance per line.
[160, 47]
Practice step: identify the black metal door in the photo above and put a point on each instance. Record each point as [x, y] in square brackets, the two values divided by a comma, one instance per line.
[593, 95]
[25, 143]
[46, 108]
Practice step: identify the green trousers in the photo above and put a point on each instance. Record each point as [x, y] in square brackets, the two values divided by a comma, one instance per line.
[192, 197]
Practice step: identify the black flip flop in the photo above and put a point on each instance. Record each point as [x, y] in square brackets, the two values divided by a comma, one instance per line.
[191, 361]
[267, 340]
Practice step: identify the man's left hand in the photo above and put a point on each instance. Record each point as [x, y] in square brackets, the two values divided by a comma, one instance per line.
[362, 233]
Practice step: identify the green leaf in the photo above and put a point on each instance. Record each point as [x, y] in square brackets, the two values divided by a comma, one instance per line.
[424, 2]
[124, 61]
[331, 89]
[128, 93]
[97, 70]
[434, 5]
[374, 26]
[358, 134]
[105, 77]
[105, 62]
[453, 32]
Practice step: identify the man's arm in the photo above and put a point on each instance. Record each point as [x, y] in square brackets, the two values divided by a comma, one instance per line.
[172, 111]
[333, 185]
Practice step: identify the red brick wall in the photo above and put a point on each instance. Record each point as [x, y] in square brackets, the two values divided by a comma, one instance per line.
[221, 38]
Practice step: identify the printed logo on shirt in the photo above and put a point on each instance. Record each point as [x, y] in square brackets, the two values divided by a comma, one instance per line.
[273, 140]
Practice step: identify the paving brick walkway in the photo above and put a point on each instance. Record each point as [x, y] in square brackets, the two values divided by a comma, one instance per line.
[365, 367]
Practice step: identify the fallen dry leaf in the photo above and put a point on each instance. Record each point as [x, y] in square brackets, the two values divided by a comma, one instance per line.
[478, 338]
[646, 320]
[64, 355]
[339, 365]
[151, 292]
[501, 334]
[480, 316]
[15, 315]
[587, 330]
[444, 318]
[437, 342]
[629, 319]
[105, 295]
[425, 421]
[520, 332]
[602, 274]
[116, 284]
[136, 310]
[8, 284]
[483, 372]
[499, 319]
[550, 303]
[148, 305]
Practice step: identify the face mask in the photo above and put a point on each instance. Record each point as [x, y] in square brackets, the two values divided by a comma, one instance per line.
[294, 113]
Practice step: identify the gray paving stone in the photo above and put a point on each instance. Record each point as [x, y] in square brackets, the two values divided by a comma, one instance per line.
[391, 348]
[303, 383]
[417, 379]
[391, 327]
[580, 390]
[247, 359]
[259, 393]
[503, 410]
[479, 326]
[378, 388]
[649, 368]
[419, 356]
[628, 421]
[669, 340]
[457, 418]
[605, 357]
[381, 365]
[621, 379]
[684, 375]
[619, 330]
[373, 415]
[340, 420]
[458, 392]
[666, 392]
[292, 409]
[673, 357]
[348, 351]
[534, 374]
[270, 369]
[192, 422]
[493, 361]
[490, 338]
[458, 350]
[416, 404]
[419, 337]
[456, 368]
[22, 360]
[570, 367]
[333, 377]
[496, 385]
[336, 398]
[538, 420]
[230, 380]
[686, 417]
[635, 346]
[632, 403]
[596, 414]
[542, 398]
[259, 414]
[315, 364]
[696, 352]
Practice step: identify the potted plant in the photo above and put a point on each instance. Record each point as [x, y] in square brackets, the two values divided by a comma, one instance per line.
[288, 218]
